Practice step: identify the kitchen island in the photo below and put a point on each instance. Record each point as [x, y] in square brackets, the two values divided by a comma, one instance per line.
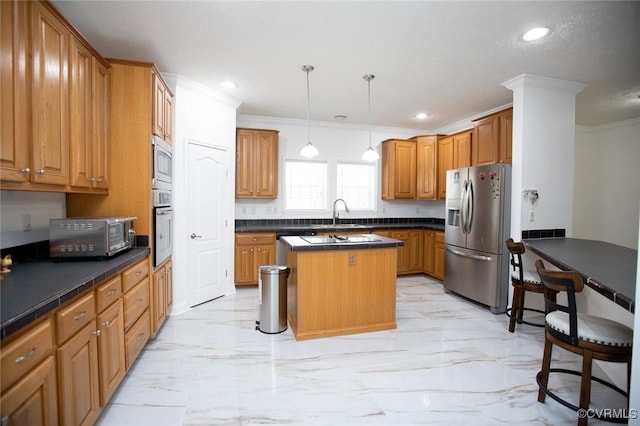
[341, 284]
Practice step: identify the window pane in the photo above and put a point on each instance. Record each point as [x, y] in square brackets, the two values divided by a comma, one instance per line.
[305, 185]
[356, 185]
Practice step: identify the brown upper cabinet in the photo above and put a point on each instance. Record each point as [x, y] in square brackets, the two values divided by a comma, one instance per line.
[399, 173]
[54, 117]
[256, 163]
[427, 163]
[454, 152]
[162, 119]
[492, 138]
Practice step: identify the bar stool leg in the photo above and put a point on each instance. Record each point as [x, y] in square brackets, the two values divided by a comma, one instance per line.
[546, 365]
[515, 308]
[585, 384]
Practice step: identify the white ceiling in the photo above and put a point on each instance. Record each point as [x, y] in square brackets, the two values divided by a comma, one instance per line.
[445, 58]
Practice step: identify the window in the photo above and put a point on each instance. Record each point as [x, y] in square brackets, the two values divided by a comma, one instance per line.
[305, 185]
[356, 184]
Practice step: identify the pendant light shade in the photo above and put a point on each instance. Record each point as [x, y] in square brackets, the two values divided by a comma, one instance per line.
[370, 154]
[308, 151]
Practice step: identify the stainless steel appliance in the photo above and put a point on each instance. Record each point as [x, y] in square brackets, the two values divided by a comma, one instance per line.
[478, 220]
[163, 241]
[90, 236]
[162, 166]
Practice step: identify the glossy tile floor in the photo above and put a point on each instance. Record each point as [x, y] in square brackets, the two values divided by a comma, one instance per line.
[449, 361]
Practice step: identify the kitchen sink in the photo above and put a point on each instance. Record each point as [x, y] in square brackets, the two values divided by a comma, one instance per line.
[340, 239]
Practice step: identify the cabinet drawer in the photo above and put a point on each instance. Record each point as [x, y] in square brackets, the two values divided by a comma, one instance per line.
[108, 293]
[23, 354]
[251, 239]
[136, 338]
[75, 316]
[136, 302]
[134, 275]
[400, 235]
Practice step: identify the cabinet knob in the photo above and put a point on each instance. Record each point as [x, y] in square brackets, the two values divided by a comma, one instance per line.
[100, 179]
[26, 171]
[41, 172]
[97, 332]
[107, 324]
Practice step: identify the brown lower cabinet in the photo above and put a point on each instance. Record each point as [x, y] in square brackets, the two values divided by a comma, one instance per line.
[64, 368]
[434, 253]
[252, 251]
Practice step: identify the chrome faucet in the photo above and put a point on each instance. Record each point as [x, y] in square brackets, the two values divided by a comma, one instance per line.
[336, 214]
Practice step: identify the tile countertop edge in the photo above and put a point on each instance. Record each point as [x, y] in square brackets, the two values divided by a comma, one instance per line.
[615, 296]
[51, 302]
[297, 244]
[322, 228]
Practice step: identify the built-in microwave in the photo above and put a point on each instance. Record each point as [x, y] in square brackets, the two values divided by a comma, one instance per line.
[162, 166]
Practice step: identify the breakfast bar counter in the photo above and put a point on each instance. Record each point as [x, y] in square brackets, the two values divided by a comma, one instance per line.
[607, 268]
[341, 284]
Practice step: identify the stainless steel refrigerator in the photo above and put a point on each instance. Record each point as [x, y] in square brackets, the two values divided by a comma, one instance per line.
[477, 223]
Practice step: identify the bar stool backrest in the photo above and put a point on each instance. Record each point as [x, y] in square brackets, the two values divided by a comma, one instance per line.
[555, 282]
[516, 251]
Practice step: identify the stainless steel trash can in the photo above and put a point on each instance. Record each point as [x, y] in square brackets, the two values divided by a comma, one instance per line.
[272, 298]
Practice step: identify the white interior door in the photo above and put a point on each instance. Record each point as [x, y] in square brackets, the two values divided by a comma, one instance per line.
[208, 184]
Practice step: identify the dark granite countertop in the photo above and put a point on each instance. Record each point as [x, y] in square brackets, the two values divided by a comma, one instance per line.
[352, 242]
[286, 227]
[607, 268]
[33, 289]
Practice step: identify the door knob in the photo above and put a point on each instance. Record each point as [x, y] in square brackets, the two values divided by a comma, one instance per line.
[194, 236]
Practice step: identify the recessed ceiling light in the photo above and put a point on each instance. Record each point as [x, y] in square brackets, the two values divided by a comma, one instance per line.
[421, 115]
[228, 84]
[535, 34]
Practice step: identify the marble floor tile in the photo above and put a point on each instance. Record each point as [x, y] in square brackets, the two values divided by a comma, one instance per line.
[449, 362]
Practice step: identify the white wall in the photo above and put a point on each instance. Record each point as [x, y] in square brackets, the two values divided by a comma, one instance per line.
[336, 142]
[607, 172]
[209, 117]
[41, 206]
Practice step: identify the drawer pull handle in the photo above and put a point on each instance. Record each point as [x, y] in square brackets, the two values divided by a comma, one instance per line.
[140, 336]
[97, 332]
[139, 301]
[112, 292]
[138, 273]
[80, 315]
[23, 358]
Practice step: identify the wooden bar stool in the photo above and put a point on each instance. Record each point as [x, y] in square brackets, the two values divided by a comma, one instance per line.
[589, 336]
[522, 282]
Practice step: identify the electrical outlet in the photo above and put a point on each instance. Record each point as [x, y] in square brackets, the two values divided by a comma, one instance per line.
[352, 259]
[26, 222]
[532, 216]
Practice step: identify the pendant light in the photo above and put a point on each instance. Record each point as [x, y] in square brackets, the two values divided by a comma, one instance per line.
[308, 150]
[370, 154]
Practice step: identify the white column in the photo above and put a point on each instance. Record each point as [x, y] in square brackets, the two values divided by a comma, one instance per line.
[543, 144]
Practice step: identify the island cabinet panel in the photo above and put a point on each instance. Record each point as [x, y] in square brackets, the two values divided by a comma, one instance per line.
[338, 292]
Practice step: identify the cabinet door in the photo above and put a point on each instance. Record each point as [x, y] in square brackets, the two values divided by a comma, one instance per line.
[427, 161]
[265, 166]
[169, 286]
[80, 127]
[429, 252]
[415, 251]
[111, 350]
[461, 150]
[33, 400]
[506, 135]
[265, 255]
[403, 252]
[486, 134]
[159, 310]
[244, 265]
[78, 376]
[157, 119]
[14, 105]
[168, 117]
[405, 172]
[445, 162]
[50, 97]
[244, 164]
[439, 256]
[100, 125]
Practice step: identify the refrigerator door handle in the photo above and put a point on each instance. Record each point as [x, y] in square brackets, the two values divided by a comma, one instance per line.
[463, 199]
[471, 256]
[470, 206]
